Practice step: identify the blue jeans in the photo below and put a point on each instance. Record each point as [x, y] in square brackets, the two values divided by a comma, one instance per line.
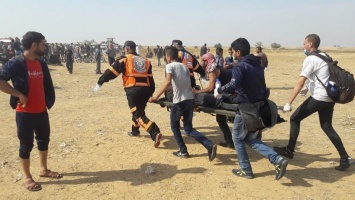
[185, 109]
[242, 136]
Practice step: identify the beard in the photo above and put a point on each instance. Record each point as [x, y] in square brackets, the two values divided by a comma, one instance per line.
[39, 52]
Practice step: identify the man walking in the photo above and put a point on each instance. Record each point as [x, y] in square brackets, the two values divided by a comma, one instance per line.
[98, 59]
[139, 85]
[315, 70]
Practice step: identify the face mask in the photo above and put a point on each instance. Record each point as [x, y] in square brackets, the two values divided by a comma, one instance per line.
[306, 52]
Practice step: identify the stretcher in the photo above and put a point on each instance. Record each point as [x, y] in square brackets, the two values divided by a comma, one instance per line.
[165, 103]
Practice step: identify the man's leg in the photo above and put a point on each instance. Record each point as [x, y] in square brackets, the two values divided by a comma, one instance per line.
[137, 104]
[25, 134]
[98, 67]
[188, 127]
[25, 164]
[222, 123]
[67, 64]
[43, 156]
[71, 66]
[239, 134]
[307, 108]
[42, 131]
[175, 115]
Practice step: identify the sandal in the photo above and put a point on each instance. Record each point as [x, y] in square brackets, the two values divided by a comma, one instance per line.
[49, 174]
[31, 185]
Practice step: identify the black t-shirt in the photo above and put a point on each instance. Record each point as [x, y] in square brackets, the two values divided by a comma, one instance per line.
[68, 54]
[160, 52]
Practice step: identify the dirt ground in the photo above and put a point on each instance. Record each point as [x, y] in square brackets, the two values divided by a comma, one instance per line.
[90, 146]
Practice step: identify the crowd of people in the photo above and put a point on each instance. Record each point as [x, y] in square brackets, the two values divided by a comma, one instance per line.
[240, 74]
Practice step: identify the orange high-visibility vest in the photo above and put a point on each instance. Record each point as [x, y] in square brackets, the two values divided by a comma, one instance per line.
[187, 60]
[136, 73]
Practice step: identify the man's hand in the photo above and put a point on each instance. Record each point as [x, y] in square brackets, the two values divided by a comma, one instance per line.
[287, 107]
[152, 99]
[96, 88]
[194, 91]
[23, 100]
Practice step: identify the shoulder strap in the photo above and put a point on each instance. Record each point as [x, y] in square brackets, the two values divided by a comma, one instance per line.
[326, 59]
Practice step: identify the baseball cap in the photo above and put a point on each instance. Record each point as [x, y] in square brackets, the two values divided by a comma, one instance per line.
[178, 42]
[130, 44]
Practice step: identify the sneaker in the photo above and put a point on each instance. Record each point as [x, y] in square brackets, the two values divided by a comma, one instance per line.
[280, 168]
[284, 151]
[242, 173]
[344, 164]
[157, 140]
[133, 134]
[181, 155]
[212, 151]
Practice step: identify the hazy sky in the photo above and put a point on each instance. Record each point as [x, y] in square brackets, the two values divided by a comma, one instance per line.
[152, 22]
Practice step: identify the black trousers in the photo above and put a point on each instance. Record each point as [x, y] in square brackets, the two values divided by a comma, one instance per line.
[137, 102]
[325, 113]
[111, 60]
[69, 65]
[223, 125]
[28, 125]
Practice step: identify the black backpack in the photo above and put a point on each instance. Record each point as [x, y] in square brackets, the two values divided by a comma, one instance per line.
[343, 91]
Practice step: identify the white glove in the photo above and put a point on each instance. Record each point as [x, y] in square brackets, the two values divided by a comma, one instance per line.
[216, 95]
[287, 107]
[304, 92]
[96, 88]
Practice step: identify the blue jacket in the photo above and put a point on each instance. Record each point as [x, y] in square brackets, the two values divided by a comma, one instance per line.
[16, 71]
[247, 81]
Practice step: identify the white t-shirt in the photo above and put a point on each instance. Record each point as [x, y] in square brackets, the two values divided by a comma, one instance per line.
[181, 81]
[314, 66]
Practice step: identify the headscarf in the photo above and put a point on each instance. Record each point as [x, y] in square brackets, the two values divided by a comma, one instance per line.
[211, 63]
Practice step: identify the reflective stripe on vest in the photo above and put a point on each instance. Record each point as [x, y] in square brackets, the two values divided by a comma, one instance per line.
[136, 67]
[187, 60]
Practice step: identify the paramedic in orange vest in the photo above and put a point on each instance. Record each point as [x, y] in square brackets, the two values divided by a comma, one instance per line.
[190, 61]
[139, 85]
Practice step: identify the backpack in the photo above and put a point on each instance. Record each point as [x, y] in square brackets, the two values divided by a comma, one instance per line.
[341, 85]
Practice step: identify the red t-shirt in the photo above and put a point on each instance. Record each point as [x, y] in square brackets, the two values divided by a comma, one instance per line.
[36, 99]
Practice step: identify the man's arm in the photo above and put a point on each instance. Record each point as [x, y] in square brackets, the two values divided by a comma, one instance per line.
[296, 90]
[230, 88]
[164, 87]
[8, 89]
[211, 83]
[113, 71]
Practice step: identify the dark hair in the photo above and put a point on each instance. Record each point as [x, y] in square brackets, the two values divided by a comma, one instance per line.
[219, 49]
[314, 38]
[242, 45]
[172, 52]
[31, 37]
[230, 49]
[260, 49]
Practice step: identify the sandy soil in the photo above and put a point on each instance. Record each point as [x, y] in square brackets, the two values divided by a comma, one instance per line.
[90, 146]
